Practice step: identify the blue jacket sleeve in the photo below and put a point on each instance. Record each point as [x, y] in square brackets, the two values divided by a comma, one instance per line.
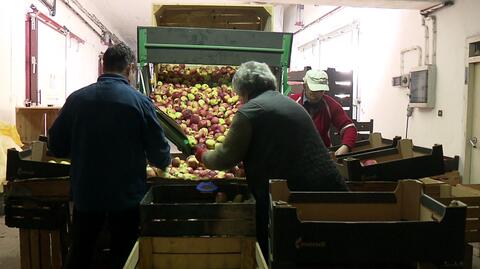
[59, 134]
[157, 148]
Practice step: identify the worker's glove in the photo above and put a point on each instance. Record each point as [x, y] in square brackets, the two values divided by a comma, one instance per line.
[199, 151]
[344, 149]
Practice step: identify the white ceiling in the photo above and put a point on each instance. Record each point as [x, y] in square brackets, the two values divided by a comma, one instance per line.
[126, 15]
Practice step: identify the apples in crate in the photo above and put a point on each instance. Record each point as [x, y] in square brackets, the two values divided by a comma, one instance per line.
[191, 169]
[59, 161]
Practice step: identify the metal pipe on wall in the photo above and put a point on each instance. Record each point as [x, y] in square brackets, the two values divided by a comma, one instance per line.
[404, 51]
[331, 12]
[427, 40]
[434, 39]
[427, 11]
[97, 22]
[425, 21]
[67, 4]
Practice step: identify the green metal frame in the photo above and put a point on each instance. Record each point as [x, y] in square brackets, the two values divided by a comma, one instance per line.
[211, 47]
[287, 46]
[142, 50]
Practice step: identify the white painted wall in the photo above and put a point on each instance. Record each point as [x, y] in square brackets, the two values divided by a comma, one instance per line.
[383, 33]
[82, 65]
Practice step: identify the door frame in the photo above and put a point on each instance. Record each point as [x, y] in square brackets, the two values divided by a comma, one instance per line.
[470, 62]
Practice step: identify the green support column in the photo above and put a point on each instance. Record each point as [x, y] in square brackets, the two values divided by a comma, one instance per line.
[142, 46]
[287, 46]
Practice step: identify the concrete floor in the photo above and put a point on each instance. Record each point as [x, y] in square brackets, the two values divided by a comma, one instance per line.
[10, 248]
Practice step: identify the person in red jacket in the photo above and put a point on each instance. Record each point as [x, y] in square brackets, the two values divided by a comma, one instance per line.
[325, 111]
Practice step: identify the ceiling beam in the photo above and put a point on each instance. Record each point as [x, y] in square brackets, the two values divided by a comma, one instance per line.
[397, 4]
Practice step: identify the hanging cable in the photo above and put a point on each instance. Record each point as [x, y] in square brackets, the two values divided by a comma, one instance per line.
[406, 129]
[409, 114]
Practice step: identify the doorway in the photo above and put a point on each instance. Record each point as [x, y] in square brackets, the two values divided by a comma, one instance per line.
[472, 143]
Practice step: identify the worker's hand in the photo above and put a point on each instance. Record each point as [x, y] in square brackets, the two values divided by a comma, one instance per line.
[199, 151]
[342, 150]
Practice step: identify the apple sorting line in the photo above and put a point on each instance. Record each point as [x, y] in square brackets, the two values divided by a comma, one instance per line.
[201, 101]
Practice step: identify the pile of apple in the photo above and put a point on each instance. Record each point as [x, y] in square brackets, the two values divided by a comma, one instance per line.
[191, 75]
[191, 169]
[204, 112]
[201, 101]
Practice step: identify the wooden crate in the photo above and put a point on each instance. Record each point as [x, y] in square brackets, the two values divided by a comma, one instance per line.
[39, 208]
[42, 249]
[133, 261]
[34, 121]
[197, 252]
[318, 228]
[37, 203]
[179, 209]
[182, 227]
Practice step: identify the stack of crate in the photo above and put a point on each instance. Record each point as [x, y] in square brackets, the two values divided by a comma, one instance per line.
[37, 195]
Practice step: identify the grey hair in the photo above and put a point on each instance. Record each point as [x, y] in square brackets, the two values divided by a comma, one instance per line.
[252, 78]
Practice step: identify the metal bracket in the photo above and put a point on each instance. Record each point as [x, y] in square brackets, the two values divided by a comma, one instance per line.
[473, 141]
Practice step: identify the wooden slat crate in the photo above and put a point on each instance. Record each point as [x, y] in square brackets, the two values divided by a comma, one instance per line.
[43, 249]
[181, 210]
[182, 227]
[39, 208]
[133, 261]
[311, 229]
[197, 252]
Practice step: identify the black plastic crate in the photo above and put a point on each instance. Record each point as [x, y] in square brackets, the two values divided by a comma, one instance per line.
[20, 167]
[182, 210]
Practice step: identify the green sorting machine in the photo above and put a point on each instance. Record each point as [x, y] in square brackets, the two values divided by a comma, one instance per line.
[173, 45]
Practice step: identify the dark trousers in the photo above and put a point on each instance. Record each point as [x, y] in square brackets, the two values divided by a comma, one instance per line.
[123, 228]
[262, 220]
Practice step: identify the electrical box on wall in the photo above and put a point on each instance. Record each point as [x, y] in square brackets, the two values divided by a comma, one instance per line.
[401, 81]
[422, 86]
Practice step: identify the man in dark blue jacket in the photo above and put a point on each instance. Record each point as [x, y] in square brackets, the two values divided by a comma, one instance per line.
[108, 130]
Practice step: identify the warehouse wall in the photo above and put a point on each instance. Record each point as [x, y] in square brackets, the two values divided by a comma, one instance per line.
[81, 67]
[383, 34]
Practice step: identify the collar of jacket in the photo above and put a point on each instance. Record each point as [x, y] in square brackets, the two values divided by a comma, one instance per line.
[316, 106]
[111, 76]
[305, 100]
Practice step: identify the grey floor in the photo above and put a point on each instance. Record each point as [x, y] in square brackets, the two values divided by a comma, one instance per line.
[10, 248]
